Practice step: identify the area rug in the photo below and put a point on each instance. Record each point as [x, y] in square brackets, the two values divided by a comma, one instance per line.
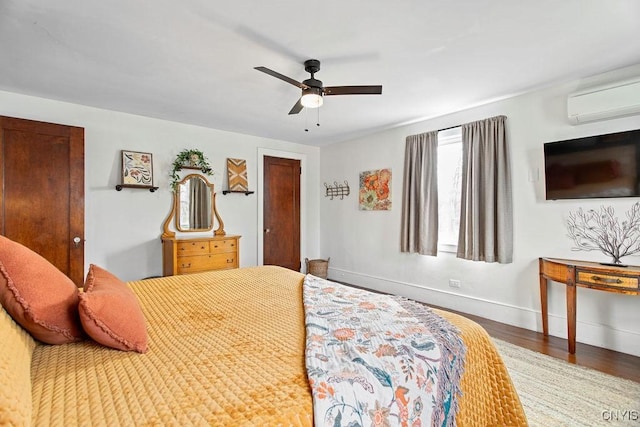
[556, 393]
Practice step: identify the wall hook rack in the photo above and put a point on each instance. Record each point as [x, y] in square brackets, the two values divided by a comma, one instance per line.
[336, 190]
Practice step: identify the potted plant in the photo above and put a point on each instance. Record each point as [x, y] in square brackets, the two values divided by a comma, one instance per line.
[189, 158]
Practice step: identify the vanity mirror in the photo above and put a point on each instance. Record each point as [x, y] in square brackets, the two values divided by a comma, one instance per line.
[194, 204]
[194, 207]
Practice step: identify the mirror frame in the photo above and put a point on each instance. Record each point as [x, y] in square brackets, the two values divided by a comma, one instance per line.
[173, 214]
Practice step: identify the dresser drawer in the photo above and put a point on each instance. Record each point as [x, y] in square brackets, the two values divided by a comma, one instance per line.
[592, 278]
[224, 261]
[227, 245]
[194, 247]
[195, 263]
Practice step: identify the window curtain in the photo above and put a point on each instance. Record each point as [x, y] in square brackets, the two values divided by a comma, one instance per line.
[419, 229]
[486, 215]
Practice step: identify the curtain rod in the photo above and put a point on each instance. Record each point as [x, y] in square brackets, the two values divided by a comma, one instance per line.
[457, 126]
[450, 127]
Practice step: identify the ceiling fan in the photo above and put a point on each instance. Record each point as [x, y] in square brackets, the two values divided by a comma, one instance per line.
[313, 91]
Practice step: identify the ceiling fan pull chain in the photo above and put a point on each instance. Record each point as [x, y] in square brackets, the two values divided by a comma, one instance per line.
[306, 120]
[318, 121]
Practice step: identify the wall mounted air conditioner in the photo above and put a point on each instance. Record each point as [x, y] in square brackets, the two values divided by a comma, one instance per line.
[605, 102]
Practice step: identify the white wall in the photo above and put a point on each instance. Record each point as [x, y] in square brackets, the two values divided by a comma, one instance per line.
[364, 245]
[123, 228]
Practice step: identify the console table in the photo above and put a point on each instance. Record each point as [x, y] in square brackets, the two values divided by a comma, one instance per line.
[623, 280]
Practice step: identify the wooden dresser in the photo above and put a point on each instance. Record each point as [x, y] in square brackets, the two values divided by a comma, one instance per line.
[183, 256]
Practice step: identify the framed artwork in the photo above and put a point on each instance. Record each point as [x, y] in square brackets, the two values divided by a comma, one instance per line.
[137, 169]
[375, 190]
[237, 174]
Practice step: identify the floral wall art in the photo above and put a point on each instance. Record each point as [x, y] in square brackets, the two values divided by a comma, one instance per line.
[137, 168]
[375, 190]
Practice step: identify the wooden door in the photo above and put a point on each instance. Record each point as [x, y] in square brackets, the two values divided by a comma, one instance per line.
[42, 191]
[282, 212]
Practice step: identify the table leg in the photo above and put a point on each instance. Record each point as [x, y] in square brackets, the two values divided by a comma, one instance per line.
[543, 305]
[571, 317]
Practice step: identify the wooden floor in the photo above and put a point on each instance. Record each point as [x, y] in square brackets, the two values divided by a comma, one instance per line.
[608, 361]
[604, 360]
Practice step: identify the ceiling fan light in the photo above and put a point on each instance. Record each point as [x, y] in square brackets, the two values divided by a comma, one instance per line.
[311, 98]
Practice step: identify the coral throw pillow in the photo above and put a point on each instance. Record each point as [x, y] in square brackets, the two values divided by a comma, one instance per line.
[110, 312]
[38, 296]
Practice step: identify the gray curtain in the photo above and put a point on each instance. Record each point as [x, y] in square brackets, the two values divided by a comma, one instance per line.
[419, 232]
[486, 215]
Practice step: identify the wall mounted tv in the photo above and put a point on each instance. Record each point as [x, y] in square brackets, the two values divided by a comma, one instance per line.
[593, 167]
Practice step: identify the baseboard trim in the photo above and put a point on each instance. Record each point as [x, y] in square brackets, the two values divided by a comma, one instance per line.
[623, 341]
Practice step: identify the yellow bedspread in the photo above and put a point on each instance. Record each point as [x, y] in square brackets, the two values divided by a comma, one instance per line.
[225, 348]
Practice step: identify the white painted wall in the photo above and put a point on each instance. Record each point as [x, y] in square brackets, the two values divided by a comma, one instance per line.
[123, 228]
[364, 245]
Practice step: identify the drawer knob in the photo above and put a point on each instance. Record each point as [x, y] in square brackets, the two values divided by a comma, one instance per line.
[229, 261]
[186, 265]
[605, 280]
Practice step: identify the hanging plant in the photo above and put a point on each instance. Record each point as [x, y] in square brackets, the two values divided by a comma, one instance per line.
[193, 159]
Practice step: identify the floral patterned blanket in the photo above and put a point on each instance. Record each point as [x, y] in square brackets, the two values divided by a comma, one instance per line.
[379, 360]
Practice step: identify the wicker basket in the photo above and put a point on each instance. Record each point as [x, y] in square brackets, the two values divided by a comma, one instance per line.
[317, 267]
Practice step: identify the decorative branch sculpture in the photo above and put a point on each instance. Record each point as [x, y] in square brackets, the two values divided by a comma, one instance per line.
[601, 231]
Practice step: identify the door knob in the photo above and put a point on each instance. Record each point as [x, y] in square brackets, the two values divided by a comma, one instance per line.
[267, 230]
[76, 241]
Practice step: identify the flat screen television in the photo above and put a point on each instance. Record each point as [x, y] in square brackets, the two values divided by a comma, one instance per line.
[593, 167]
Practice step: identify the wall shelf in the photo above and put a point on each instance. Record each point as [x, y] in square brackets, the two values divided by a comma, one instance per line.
[119, 187]
[246, 193]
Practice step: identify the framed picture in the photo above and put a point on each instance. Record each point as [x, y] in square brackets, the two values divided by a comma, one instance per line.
[237, 175]
[137, 169]
[375, 190]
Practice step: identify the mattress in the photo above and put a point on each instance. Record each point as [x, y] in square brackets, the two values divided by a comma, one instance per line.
[225, 348]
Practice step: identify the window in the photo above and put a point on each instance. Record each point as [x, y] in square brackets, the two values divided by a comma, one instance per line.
[449, 188]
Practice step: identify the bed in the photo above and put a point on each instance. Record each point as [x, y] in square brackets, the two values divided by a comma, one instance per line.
[225, 348]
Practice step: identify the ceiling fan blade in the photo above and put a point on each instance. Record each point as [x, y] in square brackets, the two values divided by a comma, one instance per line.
[297, 108]
[353, 90]
[281, 77]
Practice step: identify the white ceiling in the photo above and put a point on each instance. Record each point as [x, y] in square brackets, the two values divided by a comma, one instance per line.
[192, 61]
